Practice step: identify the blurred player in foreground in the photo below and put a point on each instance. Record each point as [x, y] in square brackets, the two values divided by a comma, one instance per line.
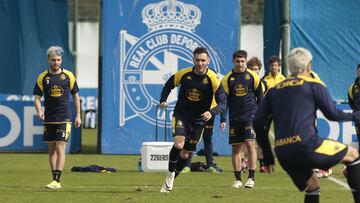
[298, 147]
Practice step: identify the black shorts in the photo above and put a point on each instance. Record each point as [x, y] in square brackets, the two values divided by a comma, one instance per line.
[56, 131]
[299, 164]
[240, 132]
[191, 132]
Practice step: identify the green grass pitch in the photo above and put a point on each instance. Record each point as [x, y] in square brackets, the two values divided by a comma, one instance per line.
[23, 177]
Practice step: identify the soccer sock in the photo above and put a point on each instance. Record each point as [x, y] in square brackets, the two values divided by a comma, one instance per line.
[353, 178]
[53, 174]
[237, 175]
[251, 174]
[180, 166]
[174, 156]
[188, 161]
[312, 196]
[261, 162]
[208, 146]
[56, 175]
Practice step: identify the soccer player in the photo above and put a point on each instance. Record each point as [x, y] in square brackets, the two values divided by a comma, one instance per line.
[55, 84]
[292, 104]
[244, 92]
[354, 99]
[255, 65]
[200, 97]
[274, 76]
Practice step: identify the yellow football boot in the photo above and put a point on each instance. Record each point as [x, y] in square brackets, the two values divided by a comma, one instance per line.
[53, 185]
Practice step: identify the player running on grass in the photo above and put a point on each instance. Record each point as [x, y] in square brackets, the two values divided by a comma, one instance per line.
[201, 95]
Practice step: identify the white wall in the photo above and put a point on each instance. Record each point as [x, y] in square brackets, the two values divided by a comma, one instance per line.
[87, 54]
[252, 42]
[88, 48]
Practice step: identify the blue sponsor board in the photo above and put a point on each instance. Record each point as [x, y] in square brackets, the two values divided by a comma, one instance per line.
[341, 131]
[21, 131]
[88, 97]
[144, 44]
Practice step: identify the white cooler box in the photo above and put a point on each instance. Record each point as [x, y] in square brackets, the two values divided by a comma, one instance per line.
[155, 156]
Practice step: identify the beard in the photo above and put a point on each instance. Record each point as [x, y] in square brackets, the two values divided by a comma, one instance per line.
[54, 68]
[201, 69]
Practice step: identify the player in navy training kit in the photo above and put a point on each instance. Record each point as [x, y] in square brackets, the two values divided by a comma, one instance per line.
[354, 99]
[255, 64]
[208, 148]
[56, 84]
[201, 95]
[244, 93]
[292, 105]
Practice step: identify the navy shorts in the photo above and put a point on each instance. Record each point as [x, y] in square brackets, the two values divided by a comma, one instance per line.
[299, 163]
[191, 132]
[56, 131]
[240, 132]
[210, 123]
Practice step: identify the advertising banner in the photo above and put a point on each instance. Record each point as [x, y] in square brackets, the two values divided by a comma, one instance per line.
[22, 131]
[145, 42]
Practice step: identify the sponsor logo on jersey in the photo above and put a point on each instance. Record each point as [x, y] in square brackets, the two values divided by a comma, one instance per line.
[179, 123]
[356, 89]
[289, 83]
[56, 91]
[241, 90]
[63, 76]
[205, 81]
[288, 140]
[194, 95]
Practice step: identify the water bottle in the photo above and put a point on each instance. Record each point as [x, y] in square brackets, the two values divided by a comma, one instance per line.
[139, 165]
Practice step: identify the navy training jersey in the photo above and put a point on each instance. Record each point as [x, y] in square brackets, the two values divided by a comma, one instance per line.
[354, 95]
[292, 104]
[197, 94]
[56, 90]
[264, 86]
[244, 93]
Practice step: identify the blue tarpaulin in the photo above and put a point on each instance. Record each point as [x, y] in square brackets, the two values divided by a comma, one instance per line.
[330, 30]
[271, 29]
[28, 28]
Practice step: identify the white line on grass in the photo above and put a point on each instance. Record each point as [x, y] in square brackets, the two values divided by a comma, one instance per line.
[339, 182]
[138, 186]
